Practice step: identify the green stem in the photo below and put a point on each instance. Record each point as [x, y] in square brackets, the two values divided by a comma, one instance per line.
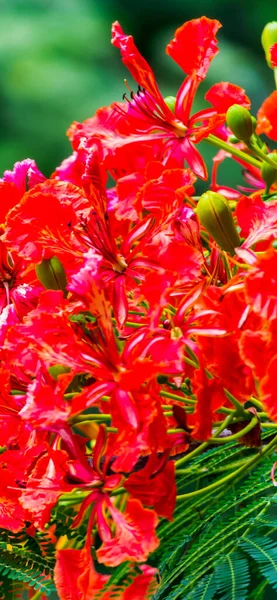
[256, 403]
[238, 406]
[172, 431]
[232, 476]
[262, 155]
[227, 266]
[252, 146]
[205, 445]
[119, 491]
[88, 418]
[236, 436]
[130, 324]
[214, 141]
[176, 397]
[37, 595]
[203, 470]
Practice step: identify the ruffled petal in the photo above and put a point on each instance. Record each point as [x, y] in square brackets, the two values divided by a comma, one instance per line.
[195, 45]
[223, 95]
[267, 117]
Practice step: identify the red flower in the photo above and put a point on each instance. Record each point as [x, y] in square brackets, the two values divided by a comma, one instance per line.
[193, 48]
[267, 117]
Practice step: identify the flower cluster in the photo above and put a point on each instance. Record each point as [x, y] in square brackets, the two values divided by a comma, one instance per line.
[135, 317]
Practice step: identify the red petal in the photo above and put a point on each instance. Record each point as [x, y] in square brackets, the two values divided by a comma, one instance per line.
[158, 491]
[143, 586]
[210, 396]
[269, 390]
[9, 197]
[75, 577]
[45, 484]
[194, 159]
[185, 97]
[267, 117]
[135, 535]
[120, 302]
[223, 95]
[195, 45]
[127, 408]
[273, 55]
[68, 568]
[11, 513]
[137, 65]
[261, 286]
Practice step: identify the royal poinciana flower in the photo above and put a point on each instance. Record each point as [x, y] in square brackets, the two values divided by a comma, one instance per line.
[148, 118]
[193, 48]
[149, 332]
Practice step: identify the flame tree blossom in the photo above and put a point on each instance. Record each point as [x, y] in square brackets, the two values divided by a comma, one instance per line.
[128, 331]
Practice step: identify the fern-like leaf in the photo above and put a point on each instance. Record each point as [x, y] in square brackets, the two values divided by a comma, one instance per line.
[232, 576]
[264, 552]
[205, 590]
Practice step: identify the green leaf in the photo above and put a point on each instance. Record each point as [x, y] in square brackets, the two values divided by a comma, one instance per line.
[264, 552]
[232, 576]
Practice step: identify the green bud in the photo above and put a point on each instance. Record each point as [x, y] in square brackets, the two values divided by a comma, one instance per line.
[58, 370]
[240, 122]
[268, 173]
[269, 37]
[51, 274]
[170, 102]
[233, 139]
[216, 217]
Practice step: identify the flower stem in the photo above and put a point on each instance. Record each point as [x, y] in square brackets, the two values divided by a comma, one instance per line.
[232, 476]
[37, 595]
[262, 155]
[205, 445]
[214, 141]
[176, 397]
[236, 436]
[238, 406]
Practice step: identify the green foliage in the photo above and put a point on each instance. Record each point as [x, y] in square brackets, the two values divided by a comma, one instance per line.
[220, 546]
[232, 576]
[220, 542]
[22, 561]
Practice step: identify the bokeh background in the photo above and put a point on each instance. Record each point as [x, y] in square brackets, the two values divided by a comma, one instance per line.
[57, 64]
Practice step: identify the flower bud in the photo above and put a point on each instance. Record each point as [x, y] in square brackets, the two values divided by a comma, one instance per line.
[255, 122]
[268, 173]
[216, 217]
[269, 38]
[240, 122]
[170, 102]
[51, 274]
[232, 139]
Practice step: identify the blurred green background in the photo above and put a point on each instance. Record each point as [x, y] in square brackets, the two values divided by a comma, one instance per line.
[57, 64]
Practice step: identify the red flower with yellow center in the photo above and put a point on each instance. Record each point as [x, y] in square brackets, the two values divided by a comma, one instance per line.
[169, 122]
